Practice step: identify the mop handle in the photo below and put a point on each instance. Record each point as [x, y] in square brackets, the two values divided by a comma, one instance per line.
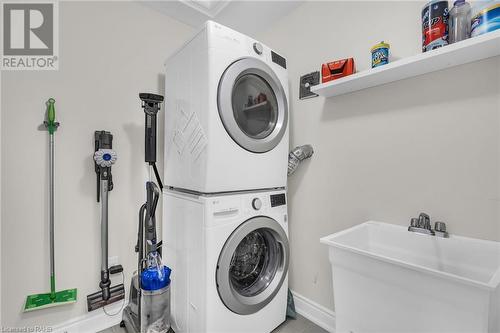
[51, 126]
[51, 216]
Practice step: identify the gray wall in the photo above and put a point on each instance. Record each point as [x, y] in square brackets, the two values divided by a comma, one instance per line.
[109, 52]
[430, 143]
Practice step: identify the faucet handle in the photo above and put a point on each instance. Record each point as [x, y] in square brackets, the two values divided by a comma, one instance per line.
[424, 221]
[414, 222]
[440, 226]
[440, 229]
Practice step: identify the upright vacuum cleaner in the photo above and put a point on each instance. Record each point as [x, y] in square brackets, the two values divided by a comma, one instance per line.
[104, 158]
[149, 301]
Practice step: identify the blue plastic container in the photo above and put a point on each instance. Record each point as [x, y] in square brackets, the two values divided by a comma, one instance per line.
[485, 17]
[380, 54]
[150, 279]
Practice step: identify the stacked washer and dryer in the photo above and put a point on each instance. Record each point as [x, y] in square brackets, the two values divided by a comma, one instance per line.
[225, 226]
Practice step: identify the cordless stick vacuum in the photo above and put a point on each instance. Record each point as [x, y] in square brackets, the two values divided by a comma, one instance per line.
[104, 158]
[149, 301]
[53, 298]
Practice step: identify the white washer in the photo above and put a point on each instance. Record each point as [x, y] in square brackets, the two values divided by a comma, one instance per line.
[226, 114]
[229, 256]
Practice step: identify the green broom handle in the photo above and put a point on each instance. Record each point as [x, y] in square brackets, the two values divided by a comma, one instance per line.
[51, 126]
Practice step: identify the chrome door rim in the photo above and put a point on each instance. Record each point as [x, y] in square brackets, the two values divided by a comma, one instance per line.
[233, 300]
[235, 71]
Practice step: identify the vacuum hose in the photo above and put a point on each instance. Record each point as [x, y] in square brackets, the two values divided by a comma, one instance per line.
[146, 233]
[297, 155]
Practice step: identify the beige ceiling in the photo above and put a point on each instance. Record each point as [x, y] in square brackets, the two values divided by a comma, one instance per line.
[249, 17]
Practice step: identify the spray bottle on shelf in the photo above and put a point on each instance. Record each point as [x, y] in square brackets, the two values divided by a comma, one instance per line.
[459, 22]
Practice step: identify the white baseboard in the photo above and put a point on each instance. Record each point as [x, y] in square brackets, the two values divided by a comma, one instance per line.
[97, 320]
[314, 312]
[94, 321]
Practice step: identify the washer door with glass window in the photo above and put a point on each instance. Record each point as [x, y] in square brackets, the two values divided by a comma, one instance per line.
[252, 105]
[252, 265]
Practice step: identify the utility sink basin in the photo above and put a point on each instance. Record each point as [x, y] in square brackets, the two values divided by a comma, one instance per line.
[387, 279]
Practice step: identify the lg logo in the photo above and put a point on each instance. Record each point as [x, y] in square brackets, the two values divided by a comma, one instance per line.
[28, 29]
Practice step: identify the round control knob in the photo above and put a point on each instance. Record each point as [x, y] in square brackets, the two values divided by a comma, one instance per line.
[257, 47]
[256, 204]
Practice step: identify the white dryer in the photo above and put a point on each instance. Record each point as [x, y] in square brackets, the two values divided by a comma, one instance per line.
[226, 114]
[229, 256]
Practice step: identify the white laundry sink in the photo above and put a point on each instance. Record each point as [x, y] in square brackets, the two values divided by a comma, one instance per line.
[387, 279]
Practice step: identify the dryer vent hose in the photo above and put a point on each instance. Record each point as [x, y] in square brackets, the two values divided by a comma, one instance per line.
[297, 155]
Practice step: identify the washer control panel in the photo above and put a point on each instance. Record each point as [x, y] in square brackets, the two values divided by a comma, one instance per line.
[278, 200]
[265, 202]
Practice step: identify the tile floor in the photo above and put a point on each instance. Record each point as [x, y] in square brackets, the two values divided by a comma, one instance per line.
[299, 325]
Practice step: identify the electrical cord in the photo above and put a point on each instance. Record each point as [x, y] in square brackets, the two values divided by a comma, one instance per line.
[123, 302]
[157, 175]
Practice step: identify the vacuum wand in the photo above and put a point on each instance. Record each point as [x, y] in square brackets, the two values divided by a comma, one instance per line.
[105, 282]
[151, 105]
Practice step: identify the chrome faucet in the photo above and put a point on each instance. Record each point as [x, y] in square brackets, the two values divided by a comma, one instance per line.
[422, 225]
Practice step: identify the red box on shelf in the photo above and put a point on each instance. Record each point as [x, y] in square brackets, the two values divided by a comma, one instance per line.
[337, 69]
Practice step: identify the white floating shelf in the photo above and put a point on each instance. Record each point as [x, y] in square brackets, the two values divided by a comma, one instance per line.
[470, 50]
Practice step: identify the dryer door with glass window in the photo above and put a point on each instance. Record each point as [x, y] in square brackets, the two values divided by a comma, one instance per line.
[252, 265]
[252, 105]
